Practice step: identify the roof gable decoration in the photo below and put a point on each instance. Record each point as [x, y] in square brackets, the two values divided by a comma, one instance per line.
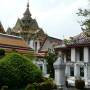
[18, 26]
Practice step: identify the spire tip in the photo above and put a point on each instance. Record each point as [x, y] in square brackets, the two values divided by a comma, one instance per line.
[28, 4]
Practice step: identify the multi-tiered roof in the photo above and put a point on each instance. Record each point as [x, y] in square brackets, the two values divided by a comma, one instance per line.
[26, 27]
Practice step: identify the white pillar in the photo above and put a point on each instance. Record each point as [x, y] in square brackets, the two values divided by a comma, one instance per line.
[77, 71]
[44, 67]
[86, 54]
[88, 70]
[65, 58]
[73, 55]
[67, 71]
[85, 72]
[77, 55]
[59, 67]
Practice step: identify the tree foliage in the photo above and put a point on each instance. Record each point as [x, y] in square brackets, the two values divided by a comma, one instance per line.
[85, 23]
[46, 84]
[51, 58]
[17, 71]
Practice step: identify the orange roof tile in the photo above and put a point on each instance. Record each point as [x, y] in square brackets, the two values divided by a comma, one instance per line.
[8, 41]
[12, 40]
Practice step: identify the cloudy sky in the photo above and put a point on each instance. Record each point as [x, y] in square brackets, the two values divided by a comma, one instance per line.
[57, 17]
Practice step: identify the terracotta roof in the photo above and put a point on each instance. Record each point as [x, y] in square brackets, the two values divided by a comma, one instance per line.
[9, 41]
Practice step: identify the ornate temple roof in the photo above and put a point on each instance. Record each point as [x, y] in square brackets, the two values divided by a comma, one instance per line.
[1, 28]
[27, 27]
[80, 40]
[13, 42]
[27, 12]
[27, 21]
[27, 24]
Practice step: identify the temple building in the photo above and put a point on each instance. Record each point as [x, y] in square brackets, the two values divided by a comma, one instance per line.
[13, 43]
[50, 43]
[28, 29]
[35, 37]
[76, 55]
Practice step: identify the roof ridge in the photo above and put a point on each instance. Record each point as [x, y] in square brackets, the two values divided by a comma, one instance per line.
[13, 36]
[54, 38]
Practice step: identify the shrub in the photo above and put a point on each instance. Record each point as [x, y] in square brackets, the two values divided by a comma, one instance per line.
[17, 71]
[30, 56]
[30, 87]
[47, 84]
[2, 52]
[79, 84]
[4, 88]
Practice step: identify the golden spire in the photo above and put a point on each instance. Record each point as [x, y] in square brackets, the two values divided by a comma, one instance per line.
[27, 12]
[28, 4]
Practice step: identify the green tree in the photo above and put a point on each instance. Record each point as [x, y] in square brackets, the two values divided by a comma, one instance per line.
[17, 71]
[51, 58]
[85, 22]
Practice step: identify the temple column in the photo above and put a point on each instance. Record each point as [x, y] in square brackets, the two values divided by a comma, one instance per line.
[65, 58]
[86, 54]
[77, 55]
[44, 67]
[67, 70]
[73, 57]
[76, 71]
